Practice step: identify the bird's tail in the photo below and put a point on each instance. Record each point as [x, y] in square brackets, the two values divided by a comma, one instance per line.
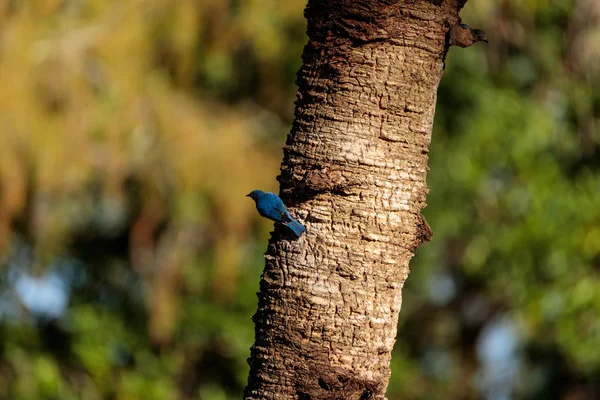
[296, 227]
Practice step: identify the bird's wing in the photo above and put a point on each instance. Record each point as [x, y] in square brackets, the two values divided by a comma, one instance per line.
[278, 207]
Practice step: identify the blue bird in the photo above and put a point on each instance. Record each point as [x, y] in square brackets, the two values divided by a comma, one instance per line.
[269, 205]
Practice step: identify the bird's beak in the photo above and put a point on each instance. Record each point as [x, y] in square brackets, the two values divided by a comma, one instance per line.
[485, 40]
[248, 195]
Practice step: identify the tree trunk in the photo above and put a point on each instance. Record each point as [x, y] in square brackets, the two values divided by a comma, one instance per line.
[354, 171]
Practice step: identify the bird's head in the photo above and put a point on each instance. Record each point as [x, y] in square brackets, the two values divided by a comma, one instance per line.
[479, 36]
[255, 194]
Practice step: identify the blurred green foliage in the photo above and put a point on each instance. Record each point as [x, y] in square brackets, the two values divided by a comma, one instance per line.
[131, 131]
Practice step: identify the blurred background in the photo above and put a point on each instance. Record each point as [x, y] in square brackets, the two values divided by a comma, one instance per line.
[130, 132]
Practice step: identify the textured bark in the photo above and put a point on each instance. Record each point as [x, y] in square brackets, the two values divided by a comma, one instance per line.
[354, 171]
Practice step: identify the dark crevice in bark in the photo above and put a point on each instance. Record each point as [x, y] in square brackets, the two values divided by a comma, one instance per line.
[320, 381]
[315, 179]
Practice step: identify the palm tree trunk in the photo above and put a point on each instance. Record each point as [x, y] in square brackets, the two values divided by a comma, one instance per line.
[354, 171]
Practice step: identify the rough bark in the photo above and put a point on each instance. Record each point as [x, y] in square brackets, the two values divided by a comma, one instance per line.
[354, 171]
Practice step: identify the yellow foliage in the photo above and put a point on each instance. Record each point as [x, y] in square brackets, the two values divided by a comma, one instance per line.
[100, 93]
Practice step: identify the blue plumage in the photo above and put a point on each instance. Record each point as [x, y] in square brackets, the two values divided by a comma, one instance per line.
[269, 205]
